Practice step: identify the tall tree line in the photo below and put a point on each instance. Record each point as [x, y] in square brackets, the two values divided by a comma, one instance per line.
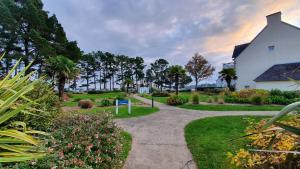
[107, 70]
[29, 33]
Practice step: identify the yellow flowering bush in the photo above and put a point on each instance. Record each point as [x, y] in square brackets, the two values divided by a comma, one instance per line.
[273, 138]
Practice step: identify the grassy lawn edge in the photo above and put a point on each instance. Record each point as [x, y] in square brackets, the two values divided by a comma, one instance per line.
[208, 139]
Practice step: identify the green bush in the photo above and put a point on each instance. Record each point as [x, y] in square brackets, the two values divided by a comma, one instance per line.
[47, 101]
[280, 100]
[121, 96]
[85, 104]
[161, 94]
[195, 98]
[101, 92]
[77, 99]
[105, 102]
[257, 100]
[82, 142]
[176, 100]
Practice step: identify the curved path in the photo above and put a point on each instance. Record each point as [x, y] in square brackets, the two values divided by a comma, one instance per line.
[158, 139]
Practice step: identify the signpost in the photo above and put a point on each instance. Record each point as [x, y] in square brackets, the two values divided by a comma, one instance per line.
[123, 102]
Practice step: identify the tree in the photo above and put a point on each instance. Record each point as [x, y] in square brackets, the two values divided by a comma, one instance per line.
[178, 76]
[199, 68]
[159, 69]
[228, 75]
[61, 68]
[150, 77]
[138, 68]
[87, 65]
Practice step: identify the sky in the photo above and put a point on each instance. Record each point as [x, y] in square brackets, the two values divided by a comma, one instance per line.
[169, 29]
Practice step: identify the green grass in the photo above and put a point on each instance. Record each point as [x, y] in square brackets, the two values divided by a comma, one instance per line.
[209, 140]
[96, 96]
[123, 111]
[203, 97]
[126, 141]
[232, 107]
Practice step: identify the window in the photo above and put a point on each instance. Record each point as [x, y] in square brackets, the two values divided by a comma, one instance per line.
[247, 87]
[271, 48]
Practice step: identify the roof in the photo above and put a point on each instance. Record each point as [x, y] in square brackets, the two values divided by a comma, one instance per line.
[281, 72]
[239, 49]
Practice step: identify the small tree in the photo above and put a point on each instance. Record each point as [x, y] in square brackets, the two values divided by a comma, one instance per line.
[199, 68]
[178, 75]
[228, 75]
[61, 68]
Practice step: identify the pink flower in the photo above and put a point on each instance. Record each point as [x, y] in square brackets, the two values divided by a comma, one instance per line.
[70, 145]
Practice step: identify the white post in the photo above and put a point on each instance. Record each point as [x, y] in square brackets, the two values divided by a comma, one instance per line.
[117, 107]
[129, 106]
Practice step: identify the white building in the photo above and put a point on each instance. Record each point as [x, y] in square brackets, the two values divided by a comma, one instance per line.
[271, 58]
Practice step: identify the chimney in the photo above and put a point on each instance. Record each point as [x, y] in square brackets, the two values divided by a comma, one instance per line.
[274, 18]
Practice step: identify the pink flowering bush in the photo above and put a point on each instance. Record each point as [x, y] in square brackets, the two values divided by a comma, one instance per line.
[81, 141]
[87, 140]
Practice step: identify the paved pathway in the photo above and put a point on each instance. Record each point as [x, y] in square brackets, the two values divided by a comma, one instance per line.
[158, 139]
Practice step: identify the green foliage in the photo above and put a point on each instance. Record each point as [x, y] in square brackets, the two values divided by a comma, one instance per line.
[208, 139]
[85, 104]
[102, 92]
[61, 68]
[228, 75]
[161, 94]
[177, 100]
[105, 103]
[275, 99]
[257, 100]
[84, 142]
[195, 98]
[47, 101]
[16, 143]
[92, 141]
[254, 95]
[177, 75]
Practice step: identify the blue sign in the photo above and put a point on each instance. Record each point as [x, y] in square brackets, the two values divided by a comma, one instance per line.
[122, 102]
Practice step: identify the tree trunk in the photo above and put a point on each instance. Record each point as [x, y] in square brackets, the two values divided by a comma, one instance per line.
[113, 81]
[95, 82]
[176, 84]
[196, 86]
[110, 83]
[100, 80]
[61, 87]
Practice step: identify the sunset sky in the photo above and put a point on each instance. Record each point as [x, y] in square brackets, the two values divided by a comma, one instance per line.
[169, 29]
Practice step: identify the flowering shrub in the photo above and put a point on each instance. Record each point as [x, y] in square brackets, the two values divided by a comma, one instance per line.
[271, 139]
[85, 104]
[82, 141]
[87, 140]
[177, 100]
[195, 98]
[259, 96]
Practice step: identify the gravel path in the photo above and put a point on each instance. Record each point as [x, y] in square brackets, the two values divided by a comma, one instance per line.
[158, 139]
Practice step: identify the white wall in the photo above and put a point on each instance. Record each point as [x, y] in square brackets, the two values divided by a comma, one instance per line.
[257, 58]
[282, 85]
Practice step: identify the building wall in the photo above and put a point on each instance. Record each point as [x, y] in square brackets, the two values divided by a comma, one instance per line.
[257, 57]
[284, 85]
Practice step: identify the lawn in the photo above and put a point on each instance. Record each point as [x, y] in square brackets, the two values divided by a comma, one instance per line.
[204, 97]
[209, 139]
[220, 107]
[123, 111]
[96, 96]
[126, 141]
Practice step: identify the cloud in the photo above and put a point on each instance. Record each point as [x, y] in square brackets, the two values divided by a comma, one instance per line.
[170, 29]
